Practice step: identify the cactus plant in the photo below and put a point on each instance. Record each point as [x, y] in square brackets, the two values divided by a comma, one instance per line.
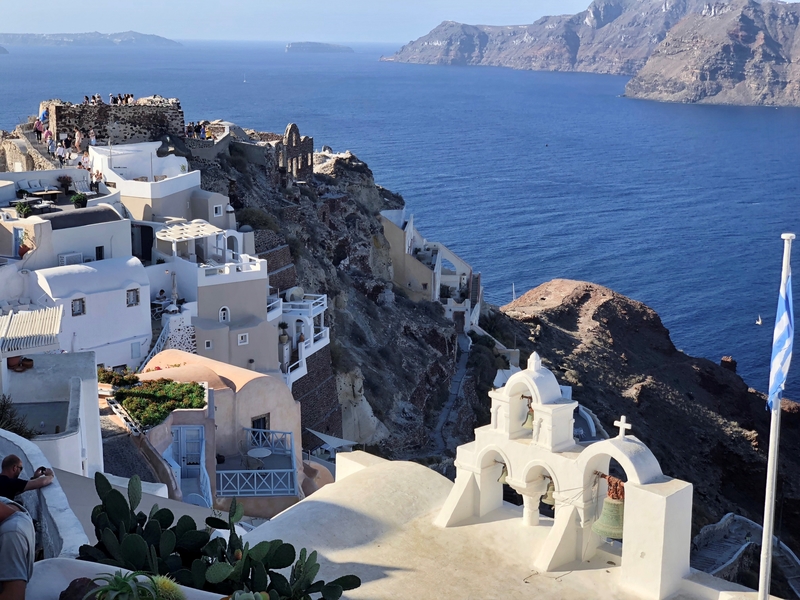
[167, 589]
[123, 587]
[153, 544]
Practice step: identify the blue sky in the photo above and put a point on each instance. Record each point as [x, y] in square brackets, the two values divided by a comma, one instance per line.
[390, 21]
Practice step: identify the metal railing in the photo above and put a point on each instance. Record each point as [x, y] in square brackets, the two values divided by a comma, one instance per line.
[256, 483]
[205, 481]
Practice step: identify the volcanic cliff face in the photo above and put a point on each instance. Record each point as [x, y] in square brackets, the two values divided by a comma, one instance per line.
[611, 36]
[738, 53]
[700, 420]
[730, 52]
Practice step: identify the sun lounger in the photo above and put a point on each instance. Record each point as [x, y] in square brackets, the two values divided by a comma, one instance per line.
[82, 187]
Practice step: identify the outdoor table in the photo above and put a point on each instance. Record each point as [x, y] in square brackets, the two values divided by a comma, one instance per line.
[259, 452]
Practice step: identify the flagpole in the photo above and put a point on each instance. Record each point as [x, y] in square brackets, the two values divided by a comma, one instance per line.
[765, 571]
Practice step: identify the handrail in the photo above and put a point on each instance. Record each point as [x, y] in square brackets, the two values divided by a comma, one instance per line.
[280, 442]
[158, 347]
[256, 483]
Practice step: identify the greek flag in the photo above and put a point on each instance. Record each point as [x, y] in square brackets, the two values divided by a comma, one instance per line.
[782, 341]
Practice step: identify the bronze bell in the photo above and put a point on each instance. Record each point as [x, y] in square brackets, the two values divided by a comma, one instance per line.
[609, 525]
[548, 497]
[528, 424]
[503, 474]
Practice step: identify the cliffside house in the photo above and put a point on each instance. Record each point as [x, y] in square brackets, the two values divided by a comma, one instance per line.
[430, 271]
[56, 393]
[245, 443]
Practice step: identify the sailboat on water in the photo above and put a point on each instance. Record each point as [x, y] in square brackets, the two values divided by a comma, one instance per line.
[759, 321]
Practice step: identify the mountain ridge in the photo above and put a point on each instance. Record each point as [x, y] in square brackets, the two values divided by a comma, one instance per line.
[747, 49]
[93, 38]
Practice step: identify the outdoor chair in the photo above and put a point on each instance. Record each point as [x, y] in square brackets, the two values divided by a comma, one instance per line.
[253, 464]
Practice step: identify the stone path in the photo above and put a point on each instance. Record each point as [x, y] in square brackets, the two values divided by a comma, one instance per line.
[741, 531]
[121, 457]
[455, 389]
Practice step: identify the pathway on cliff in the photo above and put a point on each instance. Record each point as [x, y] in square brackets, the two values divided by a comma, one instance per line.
[455, 389]
[121, 457]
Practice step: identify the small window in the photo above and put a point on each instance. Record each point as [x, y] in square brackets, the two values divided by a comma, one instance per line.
[132, 297]
[209, 345]
[79, 307]
[99, 252]
[136, 349]
[244, 339]
[224, 315]
[218, 210]
[261, 422]
[424, 286]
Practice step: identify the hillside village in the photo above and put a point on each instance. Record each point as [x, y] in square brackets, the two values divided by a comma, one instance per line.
[229, 317]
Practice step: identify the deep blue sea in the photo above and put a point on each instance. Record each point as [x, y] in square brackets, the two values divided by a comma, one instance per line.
[528, 176]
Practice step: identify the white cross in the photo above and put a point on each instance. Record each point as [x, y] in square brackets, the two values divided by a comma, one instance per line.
[623, 426]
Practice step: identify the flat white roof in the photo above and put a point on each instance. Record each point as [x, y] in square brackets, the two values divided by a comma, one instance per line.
[182, 232]
[93, 277]
[29, 330]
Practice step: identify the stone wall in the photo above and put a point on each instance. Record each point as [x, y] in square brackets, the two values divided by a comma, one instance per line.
[15, 152]
[319, 402]
[282, 274]
[118, 123]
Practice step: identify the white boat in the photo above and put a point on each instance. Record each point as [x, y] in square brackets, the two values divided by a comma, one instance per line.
[758, 320]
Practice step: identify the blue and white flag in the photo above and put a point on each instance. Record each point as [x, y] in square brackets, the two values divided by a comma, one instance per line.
[782, 341]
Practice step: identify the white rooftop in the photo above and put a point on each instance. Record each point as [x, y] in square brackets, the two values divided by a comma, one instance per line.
[196, 230]
[91, 278]
[28, 330]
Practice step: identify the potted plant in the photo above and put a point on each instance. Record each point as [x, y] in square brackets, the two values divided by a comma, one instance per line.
[23, 210]
[283, 337]
[64, 181]
[25, 245]
[124, 587]
[79, 200]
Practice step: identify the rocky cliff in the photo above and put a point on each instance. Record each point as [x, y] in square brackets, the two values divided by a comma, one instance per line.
[737, 53]
[724, 52]
[699, 418]
[392, 358]
[611, 36]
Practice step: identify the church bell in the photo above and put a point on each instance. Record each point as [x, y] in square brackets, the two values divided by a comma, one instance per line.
[528, 424]
[609, 525]
[503, 474]
[548, 497]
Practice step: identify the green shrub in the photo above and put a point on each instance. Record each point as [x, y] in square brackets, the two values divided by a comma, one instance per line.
[153, 401]
[126, 378]
[12, 421]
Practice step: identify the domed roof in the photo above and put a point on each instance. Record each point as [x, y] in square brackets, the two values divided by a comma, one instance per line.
[538, 379]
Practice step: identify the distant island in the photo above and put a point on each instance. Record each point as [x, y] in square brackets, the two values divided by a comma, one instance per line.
[317, 48]
[694, 51]
[126, 38]
[3, 50]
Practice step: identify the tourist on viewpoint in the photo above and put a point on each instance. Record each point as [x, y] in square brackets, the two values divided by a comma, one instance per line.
[12, 485]
[17, 550]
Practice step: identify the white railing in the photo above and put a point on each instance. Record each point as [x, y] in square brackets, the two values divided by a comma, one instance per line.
[274, 307]
[158, 347]
[279, 442]
[256, 483]
[310, 306]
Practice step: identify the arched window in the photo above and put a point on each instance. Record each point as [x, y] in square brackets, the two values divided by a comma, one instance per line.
[224, 315]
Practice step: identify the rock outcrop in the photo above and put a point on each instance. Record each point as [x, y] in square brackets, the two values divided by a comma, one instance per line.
[699, 418]
[723, 52]
[738, 53]
[3, 50]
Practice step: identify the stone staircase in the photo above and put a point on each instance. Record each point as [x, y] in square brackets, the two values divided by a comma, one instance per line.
[718, 548]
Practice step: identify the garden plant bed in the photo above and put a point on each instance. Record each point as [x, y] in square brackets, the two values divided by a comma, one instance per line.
[151, 402]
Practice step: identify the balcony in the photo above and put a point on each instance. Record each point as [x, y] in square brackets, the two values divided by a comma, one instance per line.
[298, 369]
[278, 477]
[274, 307]
[310, 306]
